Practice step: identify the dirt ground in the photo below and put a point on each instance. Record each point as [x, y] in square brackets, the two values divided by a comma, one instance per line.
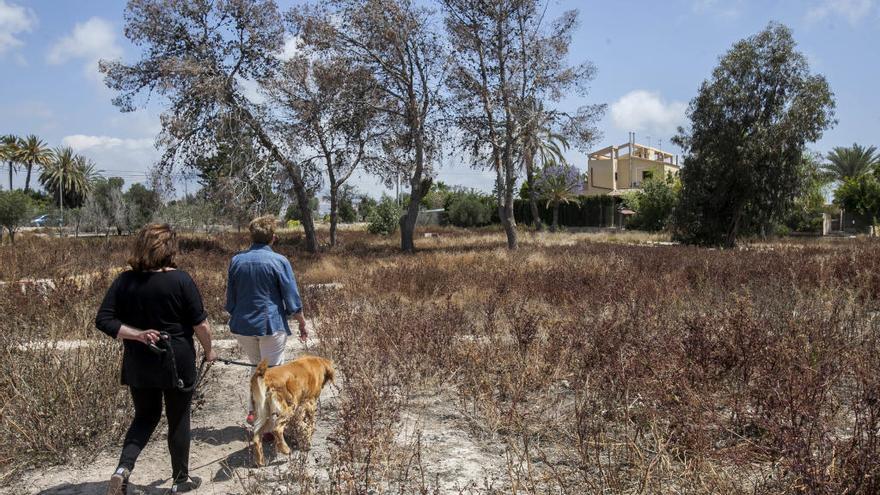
[220, 452]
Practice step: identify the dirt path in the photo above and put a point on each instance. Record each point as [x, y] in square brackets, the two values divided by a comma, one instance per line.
[221, 456]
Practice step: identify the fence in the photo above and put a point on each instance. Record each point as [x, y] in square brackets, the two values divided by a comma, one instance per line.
[584, 211]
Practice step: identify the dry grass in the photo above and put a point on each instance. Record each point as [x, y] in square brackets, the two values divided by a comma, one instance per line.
[603, 363]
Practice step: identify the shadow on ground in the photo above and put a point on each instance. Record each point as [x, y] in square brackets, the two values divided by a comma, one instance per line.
[100, 487]
[220, 436]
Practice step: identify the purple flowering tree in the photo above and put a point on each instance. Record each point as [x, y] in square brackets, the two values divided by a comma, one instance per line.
[558, 183]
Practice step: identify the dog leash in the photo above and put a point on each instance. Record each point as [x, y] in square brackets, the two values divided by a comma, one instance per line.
[236, 363]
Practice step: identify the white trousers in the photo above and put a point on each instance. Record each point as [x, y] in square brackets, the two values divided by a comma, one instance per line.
[269, 347]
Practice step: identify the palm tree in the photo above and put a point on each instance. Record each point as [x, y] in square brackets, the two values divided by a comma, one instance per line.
[69, 177]
[9, 147]
[851, 162]
[559, 183]
[540, 146]
[33, 151]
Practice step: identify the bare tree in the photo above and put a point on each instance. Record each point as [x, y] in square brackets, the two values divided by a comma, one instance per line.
[506, 64]
[198, 54]
[395, 41]
[333, 109]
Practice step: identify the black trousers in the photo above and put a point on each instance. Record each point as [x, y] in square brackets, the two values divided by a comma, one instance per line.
[147, 413]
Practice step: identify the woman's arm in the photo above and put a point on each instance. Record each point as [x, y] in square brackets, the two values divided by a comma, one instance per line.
[203, 333]
[108, 322]
[144, 336]
[292, 300]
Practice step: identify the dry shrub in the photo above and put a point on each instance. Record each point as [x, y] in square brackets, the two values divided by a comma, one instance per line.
[600, 367]
[58, 405]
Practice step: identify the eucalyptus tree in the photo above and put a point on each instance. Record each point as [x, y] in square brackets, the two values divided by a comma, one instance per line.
[508, 62]
[750, 123]
[333, 108]
[33, 152]
[200, 55]
[395, 41]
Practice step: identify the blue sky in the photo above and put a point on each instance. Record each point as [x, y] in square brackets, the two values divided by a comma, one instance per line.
[651, 56]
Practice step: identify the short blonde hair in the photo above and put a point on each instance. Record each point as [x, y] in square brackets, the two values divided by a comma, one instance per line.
[263, 229]
[154, 248]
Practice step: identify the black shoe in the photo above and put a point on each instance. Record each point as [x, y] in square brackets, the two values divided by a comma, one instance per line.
[119, 482]
[191, 483]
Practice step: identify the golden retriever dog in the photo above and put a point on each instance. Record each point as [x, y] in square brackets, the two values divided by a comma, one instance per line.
[287, 394]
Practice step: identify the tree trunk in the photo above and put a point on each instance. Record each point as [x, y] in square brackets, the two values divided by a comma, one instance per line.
[555, 226]
[533, 195]
[27, 179]
[508, 219]
[10, 176]
[308, 223]
[333, 213]
[293, 169]
[408, 221]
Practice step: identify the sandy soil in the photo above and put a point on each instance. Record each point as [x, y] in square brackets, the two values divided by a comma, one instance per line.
[221, 456]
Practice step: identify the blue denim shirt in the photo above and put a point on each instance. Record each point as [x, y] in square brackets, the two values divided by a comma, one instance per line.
[261, 292]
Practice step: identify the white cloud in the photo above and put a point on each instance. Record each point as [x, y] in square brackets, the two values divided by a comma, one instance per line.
[89, 42]
[82, 142]
[131, 159]
[647, 111]
[14, 19]
[851, 10]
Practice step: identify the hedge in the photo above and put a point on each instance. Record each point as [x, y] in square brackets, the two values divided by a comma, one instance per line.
[585, 211]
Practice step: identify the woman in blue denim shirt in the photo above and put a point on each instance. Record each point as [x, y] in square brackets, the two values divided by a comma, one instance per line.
[261, 294]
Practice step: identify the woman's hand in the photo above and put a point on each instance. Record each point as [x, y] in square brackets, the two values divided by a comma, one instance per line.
[145, 337]
[303, 332]
[149, 336]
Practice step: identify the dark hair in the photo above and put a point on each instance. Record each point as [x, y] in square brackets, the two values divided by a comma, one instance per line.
[154, 247]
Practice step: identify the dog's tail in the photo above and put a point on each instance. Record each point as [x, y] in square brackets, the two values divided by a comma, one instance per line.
[259, 396]
[262, 367]
[329, 372]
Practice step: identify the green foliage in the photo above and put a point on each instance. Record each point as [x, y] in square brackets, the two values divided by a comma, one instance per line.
[437, 196]
[294, 213]
[105, 207]
[749, 126]
[385, 217]
[654, 204]
[346, 209]
[15, 209]
[850, 162]
[72, 173]
[805, 213]
[861, 195]
[141, 204]
[469, 208]
[365, 207]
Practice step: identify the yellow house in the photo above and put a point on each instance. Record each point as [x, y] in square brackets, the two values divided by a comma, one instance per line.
[619, 169]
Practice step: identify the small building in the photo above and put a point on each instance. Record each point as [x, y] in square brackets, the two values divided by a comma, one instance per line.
[619, 169]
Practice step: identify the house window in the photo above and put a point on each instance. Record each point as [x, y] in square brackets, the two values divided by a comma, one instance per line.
[647, 174]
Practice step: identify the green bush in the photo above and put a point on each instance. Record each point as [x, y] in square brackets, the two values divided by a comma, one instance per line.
[384, 218]
[469, 209]
[15, 208]
[653, 204]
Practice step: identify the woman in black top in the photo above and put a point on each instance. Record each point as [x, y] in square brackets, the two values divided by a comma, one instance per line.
[144, 304]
